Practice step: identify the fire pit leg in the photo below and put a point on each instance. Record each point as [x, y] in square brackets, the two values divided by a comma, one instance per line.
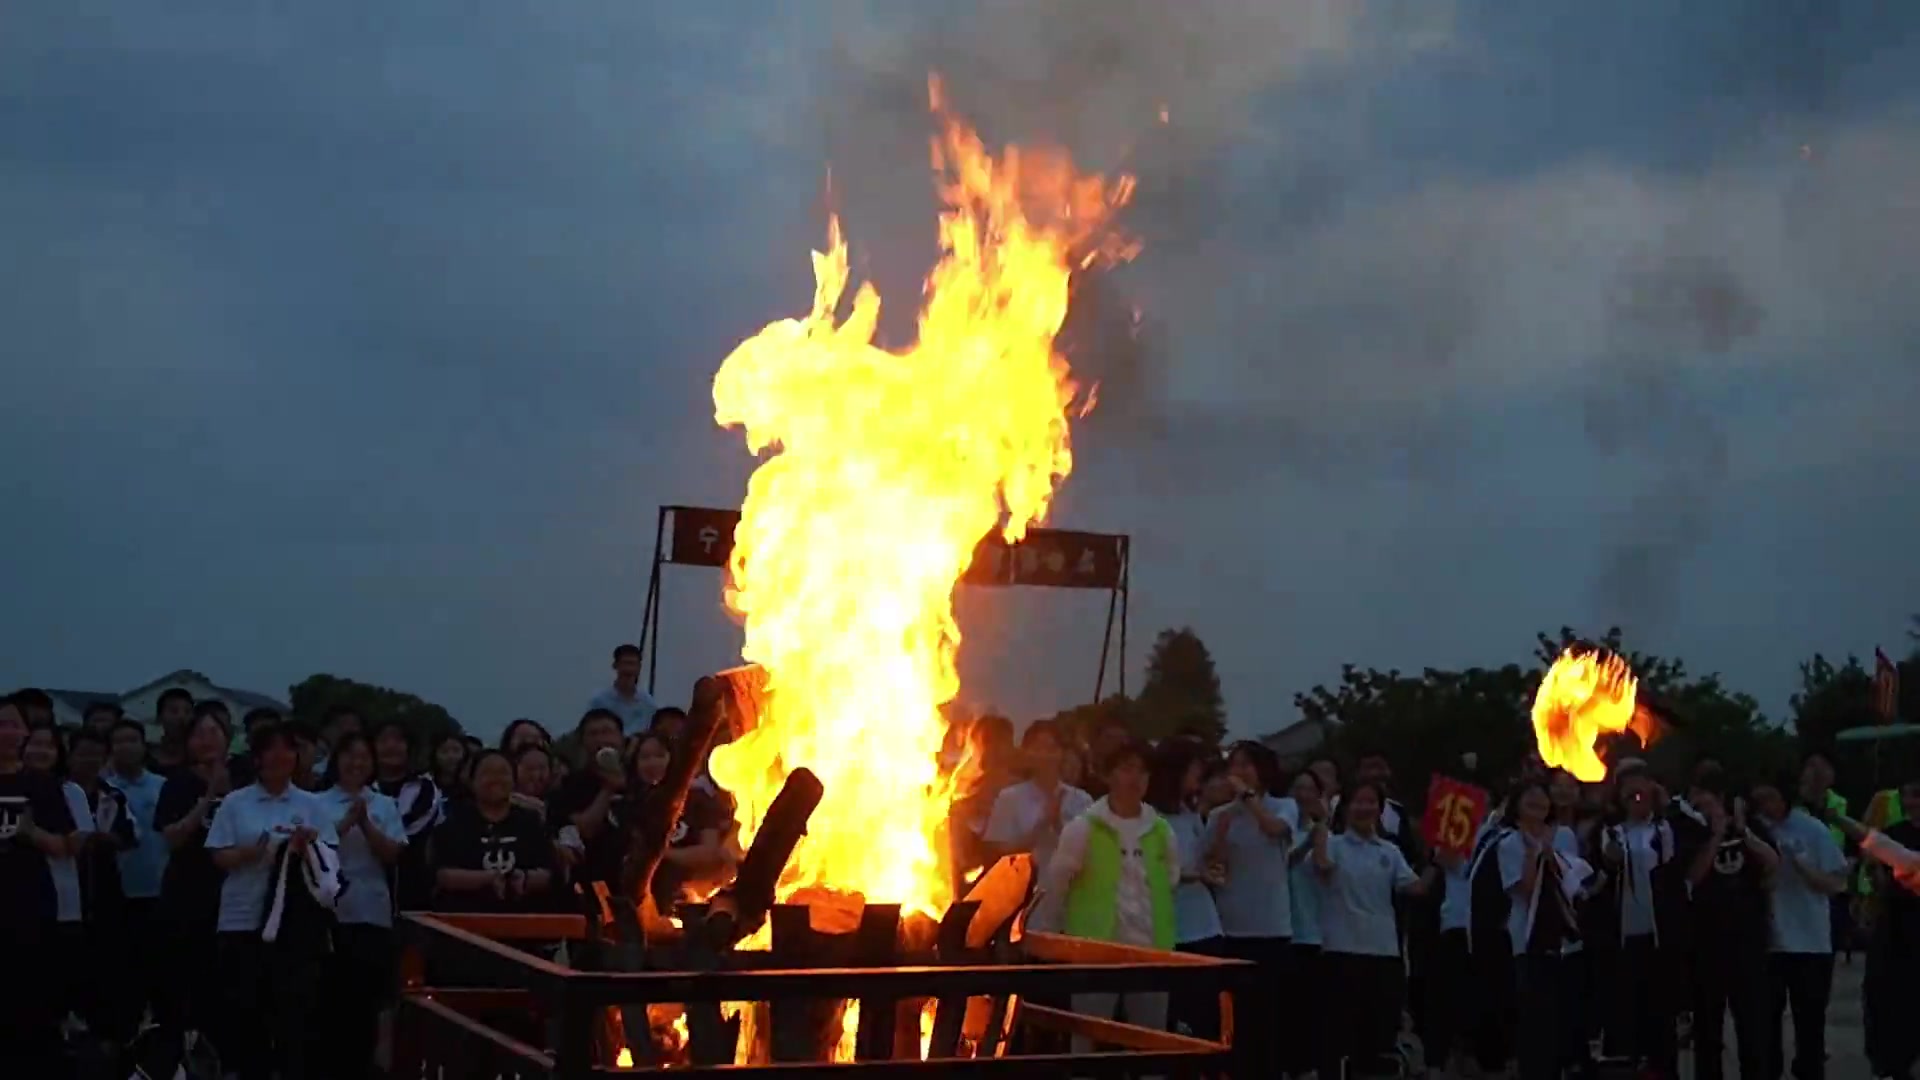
[874, 943]
[799, 1024]
[951, 1013]
[711, 1040]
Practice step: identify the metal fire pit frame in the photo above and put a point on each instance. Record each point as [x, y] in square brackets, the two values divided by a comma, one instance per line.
[437, 1034]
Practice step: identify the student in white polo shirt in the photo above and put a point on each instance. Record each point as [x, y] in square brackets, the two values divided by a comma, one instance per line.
[1361, 872]
[1303, 1022]
[271, 987]
[360, 973]
[1177, 777]
[1543, 931]
[1254, 836]
[1028, 816]
[1812, 869]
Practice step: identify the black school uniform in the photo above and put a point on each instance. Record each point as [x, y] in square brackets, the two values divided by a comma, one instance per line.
[189, 906]
[468, 841]
[422, 808]
[700, 812]
[1893, 955]
[29, 958]
[606, 850]
[98, 988]
[1729, 923]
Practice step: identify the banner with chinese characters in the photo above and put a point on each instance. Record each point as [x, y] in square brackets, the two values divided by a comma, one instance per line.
[1454, 812]
[1046, 558]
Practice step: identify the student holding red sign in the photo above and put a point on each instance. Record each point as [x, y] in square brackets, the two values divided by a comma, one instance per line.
[1454, 813]
[1450, 1003]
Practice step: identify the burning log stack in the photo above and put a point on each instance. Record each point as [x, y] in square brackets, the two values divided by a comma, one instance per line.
[815, 929]
[821, 929]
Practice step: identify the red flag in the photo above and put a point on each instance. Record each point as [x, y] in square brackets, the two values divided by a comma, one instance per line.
[1886, 687]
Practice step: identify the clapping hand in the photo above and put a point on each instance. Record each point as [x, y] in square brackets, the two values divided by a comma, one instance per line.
[1717, 820]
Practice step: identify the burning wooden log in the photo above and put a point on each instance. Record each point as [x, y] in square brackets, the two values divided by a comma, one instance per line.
[708, 714]
[717, 700]
[739, 909]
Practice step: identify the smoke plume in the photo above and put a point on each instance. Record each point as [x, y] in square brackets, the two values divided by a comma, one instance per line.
[1368, 223]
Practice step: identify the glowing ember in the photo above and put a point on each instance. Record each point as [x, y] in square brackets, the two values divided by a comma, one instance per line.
[890, 467]
[1586, 694]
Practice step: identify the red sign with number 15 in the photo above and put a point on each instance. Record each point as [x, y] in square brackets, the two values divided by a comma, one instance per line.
[1454, 813]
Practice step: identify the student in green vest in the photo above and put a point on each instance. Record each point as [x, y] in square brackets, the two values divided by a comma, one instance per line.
[1112, 878]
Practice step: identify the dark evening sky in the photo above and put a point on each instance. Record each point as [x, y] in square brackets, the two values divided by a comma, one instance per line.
[365, 338]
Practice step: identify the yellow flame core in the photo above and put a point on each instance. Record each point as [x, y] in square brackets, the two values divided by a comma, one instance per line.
[891, 466]
[1585, 694]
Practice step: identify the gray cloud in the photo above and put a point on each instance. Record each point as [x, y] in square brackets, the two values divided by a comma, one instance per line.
[1365, 229]
[367, 337]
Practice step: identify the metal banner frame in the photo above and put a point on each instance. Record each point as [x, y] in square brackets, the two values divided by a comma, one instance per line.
[1045, 558]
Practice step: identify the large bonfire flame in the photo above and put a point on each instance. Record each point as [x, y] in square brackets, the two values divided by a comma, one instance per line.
[892, 465]
[1586, 694]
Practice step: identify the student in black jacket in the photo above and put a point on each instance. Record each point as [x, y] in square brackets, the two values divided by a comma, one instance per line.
[1728, 862]
[1893, 956]
[35, 825]
[190, 888]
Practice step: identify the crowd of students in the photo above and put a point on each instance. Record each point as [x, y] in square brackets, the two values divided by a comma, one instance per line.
[249, 898]
[246, 901]
[1587, 924]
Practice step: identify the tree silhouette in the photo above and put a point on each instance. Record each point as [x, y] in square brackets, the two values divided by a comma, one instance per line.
[1426, 723]
[1182, 692]
[312, 696]
[1082, 721]
[1831, 699]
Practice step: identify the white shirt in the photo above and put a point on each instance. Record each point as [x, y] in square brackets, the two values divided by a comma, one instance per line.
[1195, 916]
[64, 870]
[1304, 890]
[1356, 915]
[1644, 846]
[1019, 808]
[367, 898]
[1256, 901]
[245, 816]
[1133, 906]
[1802, 917]
[1456, 903]
[1390, 817]
[1514, 851]
[144, 865]
[635, 713]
